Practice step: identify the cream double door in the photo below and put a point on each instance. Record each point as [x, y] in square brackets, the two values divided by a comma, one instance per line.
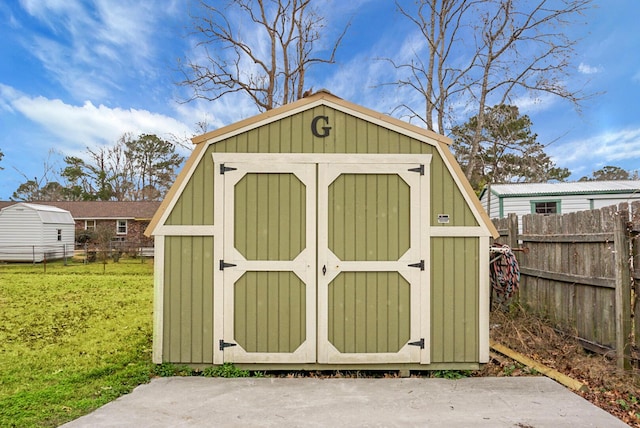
[322, 258]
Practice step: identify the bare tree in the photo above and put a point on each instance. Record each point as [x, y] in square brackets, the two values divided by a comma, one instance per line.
[133, 169]
[270, 69]
[43, 188]
[517, 48]
[434, 74]
[92, 180]
[103, 237]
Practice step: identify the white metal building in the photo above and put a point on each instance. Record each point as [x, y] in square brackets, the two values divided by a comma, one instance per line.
[556, 198]
[33, 233]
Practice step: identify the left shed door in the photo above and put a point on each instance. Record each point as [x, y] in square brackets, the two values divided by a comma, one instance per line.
[268, 264]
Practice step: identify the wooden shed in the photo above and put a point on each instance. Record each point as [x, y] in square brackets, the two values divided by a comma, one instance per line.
[322, 235]
[33, 233]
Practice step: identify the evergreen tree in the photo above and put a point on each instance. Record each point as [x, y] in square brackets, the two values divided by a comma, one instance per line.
[508, 151]
[608, 173]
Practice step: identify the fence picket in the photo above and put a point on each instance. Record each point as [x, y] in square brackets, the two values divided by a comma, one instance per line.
[577, 273]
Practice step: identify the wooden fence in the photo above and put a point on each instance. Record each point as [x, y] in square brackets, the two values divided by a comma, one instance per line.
[579, 272]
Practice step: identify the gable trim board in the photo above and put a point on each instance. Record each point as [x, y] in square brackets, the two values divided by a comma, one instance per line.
[316, 349]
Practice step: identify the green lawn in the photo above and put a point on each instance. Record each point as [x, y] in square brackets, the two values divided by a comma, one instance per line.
[72, 338]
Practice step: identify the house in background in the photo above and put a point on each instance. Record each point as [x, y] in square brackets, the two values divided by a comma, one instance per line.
[556, 198]
[128, 219]
[33, 233]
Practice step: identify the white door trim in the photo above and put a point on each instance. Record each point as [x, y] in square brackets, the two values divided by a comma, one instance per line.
[306, 266]
[419, 250]
[303, 265]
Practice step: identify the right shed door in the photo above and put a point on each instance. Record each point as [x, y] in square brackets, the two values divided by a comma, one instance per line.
[373, 261]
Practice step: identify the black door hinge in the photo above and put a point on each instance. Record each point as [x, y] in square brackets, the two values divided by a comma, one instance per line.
[224, 344]
[224, 169]
[418, 265]
[225, 265]
[419, 343]
[419, 169]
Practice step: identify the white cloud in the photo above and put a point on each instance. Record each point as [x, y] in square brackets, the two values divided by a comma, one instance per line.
[78, 126]
[589, 69]
[604, 148]
[91, 47]
[46, 10]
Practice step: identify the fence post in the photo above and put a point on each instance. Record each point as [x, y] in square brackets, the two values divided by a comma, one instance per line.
[623, 290]
[512, 240]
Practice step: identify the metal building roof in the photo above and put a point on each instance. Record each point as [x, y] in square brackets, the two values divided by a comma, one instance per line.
[572, 188]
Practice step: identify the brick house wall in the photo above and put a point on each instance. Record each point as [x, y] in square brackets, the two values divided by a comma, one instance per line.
[135, 231]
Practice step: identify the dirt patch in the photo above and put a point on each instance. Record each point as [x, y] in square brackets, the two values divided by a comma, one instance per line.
[614, 390]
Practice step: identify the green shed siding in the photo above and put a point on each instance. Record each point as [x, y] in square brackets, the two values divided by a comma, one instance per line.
[269, 312]
[369, 312]
[369, 217]
[270, 216]
[454, 299]
[188, 297]
[195, 205]
[446, 197]
[349, 134]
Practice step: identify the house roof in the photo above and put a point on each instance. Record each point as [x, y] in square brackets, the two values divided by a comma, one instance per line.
[572, 188]
[136, 210]
[322, 97]
[47, 214]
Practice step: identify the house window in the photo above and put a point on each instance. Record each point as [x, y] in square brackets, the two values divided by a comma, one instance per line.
[89, 225]
[121, 228]
[59, 234]
[546, 207]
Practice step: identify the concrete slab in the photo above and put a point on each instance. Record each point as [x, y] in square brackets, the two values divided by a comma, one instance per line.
[278, 402]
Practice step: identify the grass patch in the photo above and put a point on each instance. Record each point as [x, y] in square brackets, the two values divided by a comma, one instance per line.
[451, 374]
[73, 338]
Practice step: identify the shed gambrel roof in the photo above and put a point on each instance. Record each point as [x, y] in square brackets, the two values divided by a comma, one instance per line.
[47, 214]
[321, 98]
[558, 189]
[102, 210]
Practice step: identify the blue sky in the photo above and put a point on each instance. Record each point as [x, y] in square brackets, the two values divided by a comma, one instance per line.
[80, 73]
